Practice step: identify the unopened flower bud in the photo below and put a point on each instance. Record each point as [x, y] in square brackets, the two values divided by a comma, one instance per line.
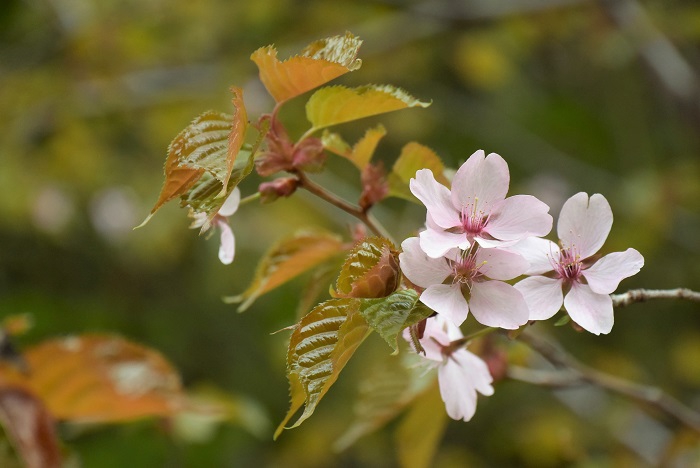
[374, 185]
[308, 155]
[282, 187]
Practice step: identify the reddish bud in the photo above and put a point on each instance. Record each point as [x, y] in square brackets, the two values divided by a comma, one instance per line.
[374, 185]
[282, 187]
[308, 155]
[277, 155]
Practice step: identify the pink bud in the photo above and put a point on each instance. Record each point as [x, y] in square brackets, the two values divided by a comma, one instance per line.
[282, 187]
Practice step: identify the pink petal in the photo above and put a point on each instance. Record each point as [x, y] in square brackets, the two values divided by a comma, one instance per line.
[497, 304]
[436, 243]
[420, 269]
[500, 264]
[456, 391]
[448, 301]
[231, 204]
[592, 311]
[436, 336]
[227, 249]
[436, 198]
[585, 224]
[543, 296]
[519, 217]
[539, 253]
[476, 368]
[481, 179]
[605, 275]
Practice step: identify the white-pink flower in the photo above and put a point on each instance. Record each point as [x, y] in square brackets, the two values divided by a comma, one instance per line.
[583, 227]
[465, 280]
[227, 248]
[476, 209]
[460, 373]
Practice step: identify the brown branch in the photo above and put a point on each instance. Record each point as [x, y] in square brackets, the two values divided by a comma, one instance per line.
[575, 373]
[643, 295]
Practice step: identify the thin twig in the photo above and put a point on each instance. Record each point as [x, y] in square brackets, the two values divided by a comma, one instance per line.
[333, 199]
[643, 295]
[577, 373]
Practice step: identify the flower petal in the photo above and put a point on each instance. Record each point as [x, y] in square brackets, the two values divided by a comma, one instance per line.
[420, 269]
[605, 275]
[519, 217]
[227, 248]
[592, 311]
[230, 206]
[448, 301]
[436, 243]
[539, 253]
[436, 198]
[500, 264]
[497, 304]
[480, 179]
[585, 224]
[478, 371]
[543, 296]
[457, 391]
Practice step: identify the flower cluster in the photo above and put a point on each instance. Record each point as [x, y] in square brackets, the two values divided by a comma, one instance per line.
[476, 239]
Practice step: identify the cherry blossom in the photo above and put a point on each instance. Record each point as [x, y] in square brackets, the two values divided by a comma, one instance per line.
[227, 248]
[465, 280]
[476, 209]
[583, 227]
[460, 373]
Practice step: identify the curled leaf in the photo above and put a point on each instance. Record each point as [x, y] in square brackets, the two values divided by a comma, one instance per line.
[360, 154]
[319, 63]
[320, 346]
[370, 270]
[334, 105]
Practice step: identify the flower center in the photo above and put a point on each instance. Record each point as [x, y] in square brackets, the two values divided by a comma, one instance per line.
[473, 219]
[465, 270]
[569, 265]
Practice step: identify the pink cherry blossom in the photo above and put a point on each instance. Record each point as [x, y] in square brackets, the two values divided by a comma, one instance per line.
[465, 280]
[227, 247]
[584, 225]
[476, 209]
[460, 373]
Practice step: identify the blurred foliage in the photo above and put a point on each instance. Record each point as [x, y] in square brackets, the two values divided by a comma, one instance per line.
[92, 93]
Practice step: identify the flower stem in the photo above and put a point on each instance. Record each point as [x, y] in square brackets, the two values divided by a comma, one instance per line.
[642, 295]
[348, 207]
[249, 198]
[461, 342]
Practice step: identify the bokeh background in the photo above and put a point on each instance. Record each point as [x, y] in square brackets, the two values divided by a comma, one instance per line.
[576, 95]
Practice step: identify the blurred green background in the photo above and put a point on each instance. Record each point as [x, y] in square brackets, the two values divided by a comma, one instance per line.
[575, 95]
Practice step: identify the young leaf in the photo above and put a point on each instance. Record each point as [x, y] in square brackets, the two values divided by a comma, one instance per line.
[388, 316]
[362, 152]
[31, 428]
[384, 392]
[413, 157]
[320, 346]
[337, 104]
[319, 63]
[210, 144]
[371, 270]
[420, 431]
[98, 378]
[287, 259]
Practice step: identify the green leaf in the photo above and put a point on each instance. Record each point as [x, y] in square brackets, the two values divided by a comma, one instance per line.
[320, 346]
[370, 270]
[390, 315]
[414, 157]
[360, 154]
[418, 435]
[287, 259]
[391, 385]
[334, 105]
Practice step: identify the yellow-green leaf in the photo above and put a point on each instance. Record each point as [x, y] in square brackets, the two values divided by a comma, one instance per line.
[414, 157]
[99, 378]
[287, 259]
[337, 104]
[319, 63]
[360, 154]
[320, 346]
[419, 433]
